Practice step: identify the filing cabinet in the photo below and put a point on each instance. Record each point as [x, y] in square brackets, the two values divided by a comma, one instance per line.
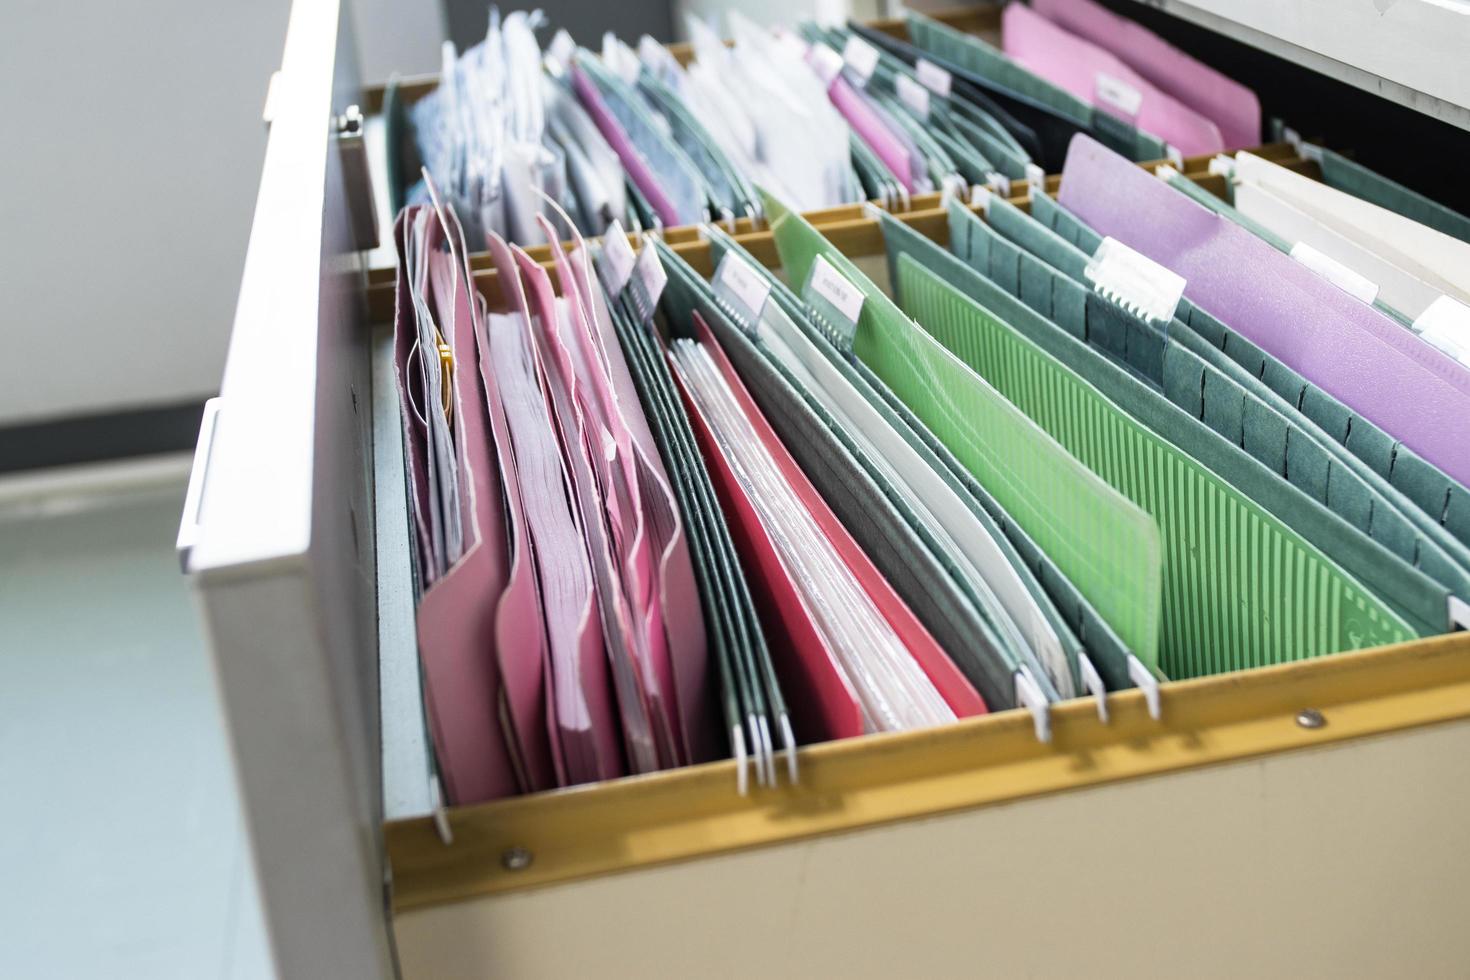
[1304, 819]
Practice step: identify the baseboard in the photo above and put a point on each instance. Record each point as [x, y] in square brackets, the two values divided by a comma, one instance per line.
[101, 437]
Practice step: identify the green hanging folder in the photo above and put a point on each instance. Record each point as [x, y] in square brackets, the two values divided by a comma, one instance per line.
[1438, 497]
[1104, 543]
[1241, 588]
[1270, 428]
[861, 504]
[1030, 628]
[1076, 623]
[751, 692]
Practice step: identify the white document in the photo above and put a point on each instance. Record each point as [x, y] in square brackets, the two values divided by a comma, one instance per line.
[1397, 287]
[1434, 257]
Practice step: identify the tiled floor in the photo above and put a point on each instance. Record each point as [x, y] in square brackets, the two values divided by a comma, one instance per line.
[122, 852]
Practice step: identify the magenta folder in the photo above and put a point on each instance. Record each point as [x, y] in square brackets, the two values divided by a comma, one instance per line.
[1225, 102]
[865, 120]
[1344, 346]
[1099, 78]
[617, 137]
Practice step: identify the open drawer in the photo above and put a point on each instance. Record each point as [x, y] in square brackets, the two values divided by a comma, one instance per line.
[1304, 818]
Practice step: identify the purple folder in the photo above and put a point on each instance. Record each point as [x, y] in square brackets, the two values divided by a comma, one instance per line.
[865, 119]
[1224, 101]
[617, 138]
[1098, 78]
[1370, 363]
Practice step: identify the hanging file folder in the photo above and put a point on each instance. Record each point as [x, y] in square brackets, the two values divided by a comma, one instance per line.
[881, 530]
[1230, 105]
[1101, 541]
[1337, 507]
[1214, 618]
[1366, 360]
[1438, 496]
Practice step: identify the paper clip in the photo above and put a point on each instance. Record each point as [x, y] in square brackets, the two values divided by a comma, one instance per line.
[446, 380]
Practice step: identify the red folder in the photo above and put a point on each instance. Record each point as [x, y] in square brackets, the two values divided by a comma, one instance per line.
[818, 691]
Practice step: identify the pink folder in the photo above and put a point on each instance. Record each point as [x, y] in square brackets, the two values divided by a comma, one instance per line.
[456, 622]
[638, 170]
[871, 129]
[1102, 80]
[520, 643]
[582, 444]
[644, 512]
[1230, 105]
[582, 716]
[691, 686]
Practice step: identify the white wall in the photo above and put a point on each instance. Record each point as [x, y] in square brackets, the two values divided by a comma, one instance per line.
[129, 164]
[403, 36]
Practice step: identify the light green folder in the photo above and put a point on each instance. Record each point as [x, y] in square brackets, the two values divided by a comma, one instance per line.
[1241, 589]
[1108, 546]
[860, 499]
[1074, 620]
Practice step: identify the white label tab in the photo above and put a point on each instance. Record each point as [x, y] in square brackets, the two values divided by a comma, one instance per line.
[1222, 165]
[1445, 323]
[620, 58]
[860, 56]
[1134, 281]
[559, 52]
[1036, 178]
[999, 183]
[1117, 94]
[826, 63]
[651, 273]
[913, 95]
[980, 197]
[1356, 285]
[932, 77]
[1173, 154]
[746, 284]
[617, 258]
[833, 286]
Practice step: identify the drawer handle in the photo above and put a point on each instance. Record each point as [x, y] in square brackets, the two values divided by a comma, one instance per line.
[198, 473]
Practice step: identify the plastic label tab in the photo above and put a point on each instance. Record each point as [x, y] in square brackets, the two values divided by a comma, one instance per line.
[1134, 281]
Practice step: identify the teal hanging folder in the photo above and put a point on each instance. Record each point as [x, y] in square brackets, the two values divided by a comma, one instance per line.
[1236, 580]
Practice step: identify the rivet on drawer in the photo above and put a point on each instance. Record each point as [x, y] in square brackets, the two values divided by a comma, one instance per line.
[515, 859]
[1310, 718]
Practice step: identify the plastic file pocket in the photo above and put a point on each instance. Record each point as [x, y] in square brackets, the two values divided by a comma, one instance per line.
[881, 831]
